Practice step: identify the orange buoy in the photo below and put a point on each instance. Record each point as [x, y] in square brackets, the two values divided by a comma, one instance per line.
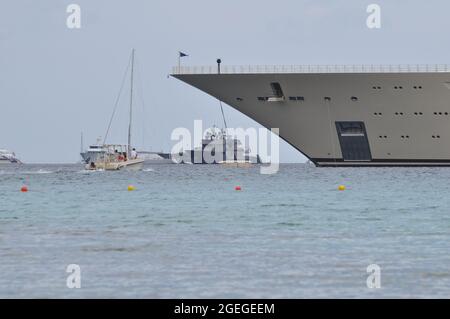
[24, 189]
[238, 188]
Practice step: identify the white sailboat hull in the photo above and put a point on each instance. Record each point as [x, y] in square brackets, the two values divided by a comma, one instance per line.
[134, 164]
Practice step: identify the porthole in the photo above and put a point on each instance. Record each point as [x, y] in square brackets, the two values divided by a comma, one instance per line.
[354, 98]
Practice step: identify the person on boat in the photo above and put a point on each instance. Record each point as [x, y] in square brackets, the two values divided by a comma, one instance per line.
[133, 154]
[124, 156]
[92, 165]
[119, 156]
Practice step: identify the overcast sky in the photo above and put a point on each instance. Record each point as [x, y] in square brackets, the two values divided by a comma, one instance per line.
[57, 82]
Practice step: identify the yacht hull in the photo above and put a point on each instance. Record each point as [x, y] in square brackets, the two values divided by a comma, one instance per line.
[346, 119]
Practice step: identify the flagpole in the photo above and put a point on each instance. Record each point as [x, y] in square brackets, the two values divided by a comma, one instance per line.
[179, 62]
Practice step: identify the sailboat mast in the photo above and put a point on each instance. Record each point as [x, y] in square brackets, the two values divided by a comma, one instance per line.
[131, 104]
[82, 144]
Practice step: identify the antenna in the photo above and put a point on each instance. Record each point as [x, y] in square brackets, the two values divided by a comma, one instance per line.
[82, 144]
[131, 104]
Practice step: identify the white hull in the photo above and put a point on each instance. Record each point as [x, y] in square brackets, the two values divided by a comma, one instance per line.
[135, 164]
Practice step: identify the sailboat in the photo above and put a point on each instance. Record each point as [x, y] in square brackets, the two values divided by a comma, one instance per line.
[115, 156]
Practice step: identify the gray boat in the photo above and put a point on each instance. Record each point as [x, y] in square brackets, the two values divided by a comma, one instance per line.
[218, 148]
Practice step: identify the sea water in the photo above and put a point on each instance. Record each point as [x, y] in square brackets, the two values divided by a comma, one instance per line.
[185, 232]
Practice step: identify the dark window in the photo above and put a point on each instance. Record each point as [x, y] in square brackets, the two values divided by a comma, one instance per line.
[276, 89]
[353, 141]
[354, 98]
[350, 127]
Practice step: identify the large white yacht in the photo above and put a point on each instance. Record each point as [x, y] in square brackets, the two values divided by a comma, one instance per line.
[342, 115]
[8, 157]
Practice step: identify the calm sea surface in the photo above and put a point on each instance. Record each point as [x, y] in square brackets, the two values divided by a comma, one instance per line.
[186, 233]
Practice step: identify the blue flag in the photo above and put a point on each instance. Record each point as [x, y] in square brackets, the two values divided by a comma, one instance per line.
[183, 54]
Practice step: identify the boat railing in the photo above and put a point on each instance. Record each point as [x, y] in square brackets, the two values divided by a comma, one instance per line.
[281, 69]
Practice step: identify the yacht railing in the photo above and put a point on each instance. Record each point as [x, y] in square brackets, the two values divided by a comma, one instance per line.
[261, 69]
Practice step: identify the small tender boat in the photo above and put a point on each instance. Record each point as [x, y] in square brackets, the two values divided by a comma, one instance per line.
[240, 164]
[8, 157]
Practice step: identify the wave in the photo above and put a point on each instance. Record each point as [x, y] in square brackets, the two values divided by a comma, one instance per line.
[40, 171]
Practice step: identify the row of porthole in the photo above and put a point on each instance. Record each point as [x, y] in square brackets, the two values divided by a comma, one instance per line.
[385, 136]
[415, 87]
[407, 136]
[415, 113]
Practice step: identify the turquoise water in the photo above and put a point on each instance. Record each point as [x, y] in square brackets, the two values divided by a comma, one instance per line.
[186, 233]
